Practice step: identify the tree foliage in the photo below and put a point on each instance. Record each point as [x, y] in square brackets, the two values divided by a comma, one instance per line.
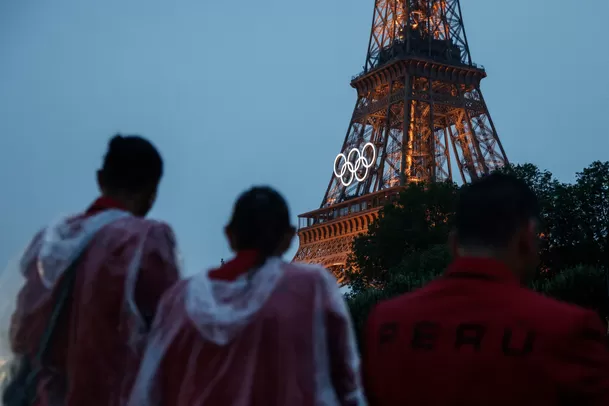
[420, 219]
[582, 285]
[592, 192]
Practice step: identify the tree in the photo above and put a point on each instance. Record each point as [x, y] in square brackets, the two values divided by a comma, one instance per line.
[420, 219]
[564, 234]
[592, 193]
[542, 182]
[574, 217]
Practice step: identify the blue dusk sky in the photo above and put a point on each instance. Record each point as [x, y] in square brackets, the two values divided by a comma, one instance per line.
[237, 93]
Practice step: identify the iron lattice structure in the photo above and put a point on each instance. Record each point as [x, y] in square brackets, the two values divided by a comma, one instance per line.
[419, 114]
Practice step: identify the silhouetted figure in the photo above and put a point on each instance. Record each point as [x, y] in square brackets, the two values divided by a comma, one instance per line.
[122, 263]
[477, 336]
[257, 330]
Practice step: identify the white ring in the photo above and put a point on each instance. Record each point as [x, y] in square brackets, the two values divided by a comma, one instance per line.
[352, 165]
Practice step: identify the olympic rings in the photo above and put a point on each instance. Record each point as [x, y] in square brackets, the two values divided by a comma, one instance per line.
[352, 165]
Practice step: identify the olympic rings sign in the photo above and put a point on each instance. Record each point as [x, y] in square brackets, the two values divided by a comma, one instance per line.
[353, 164]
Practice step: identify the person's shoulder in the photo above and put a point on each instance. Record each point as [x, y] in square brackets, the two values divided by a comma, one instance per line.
[152, 229]
[156, 238]
[574, 318]
[303, 267]
[314, 271]
[172, 303]
[571, 327]
[554, 317]
[544, 306]
[142, 223]
[312, 275]
[160, 229]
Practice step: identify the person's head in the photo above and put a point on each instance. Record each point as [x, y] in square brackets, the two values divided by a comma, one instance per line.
[498, 216]
[260, 222]
[131, 173]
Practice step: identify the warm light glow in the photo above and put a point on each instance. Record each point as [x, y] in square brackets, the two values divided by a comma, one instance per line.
[351, 167]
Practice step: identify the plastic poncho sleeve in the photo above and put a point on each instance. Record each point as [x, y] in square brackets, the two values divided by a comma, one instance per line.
[344, 360]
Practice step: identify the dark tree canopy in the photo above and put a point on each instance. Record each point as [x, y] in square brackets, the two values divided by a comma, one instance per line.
[420, 219]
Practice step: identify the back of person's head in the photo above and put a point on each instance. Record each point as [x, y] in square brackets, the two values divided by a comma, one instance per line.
[499, 214]
[260, 222]
[131, 172]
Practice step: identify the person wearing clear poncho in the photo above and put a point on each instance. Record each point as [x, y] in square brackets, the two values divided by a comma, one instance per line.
[122, 263]
[257, 330]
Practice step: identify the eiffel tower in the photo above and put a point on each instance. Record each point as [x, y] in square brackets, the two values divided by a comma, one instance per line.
[419, 114]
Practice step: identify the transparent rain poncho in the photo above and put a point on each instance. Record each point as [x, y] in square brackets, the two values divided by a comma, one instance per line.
[278, 336]
[112, 248]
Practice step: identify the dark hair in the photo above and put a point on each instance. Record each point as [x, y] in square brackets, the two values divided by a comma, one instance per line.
[490, 210]
[131, 164]
[260, 220]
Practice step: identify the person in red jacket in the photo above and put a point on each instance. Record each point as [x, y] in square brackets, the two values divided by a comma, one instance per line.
[125, 264]
[477, 336]
[257, 331]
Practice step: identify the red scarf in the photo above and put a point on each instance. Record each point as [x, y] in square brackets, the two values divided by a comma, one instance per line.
[231, 270]
[103, 203]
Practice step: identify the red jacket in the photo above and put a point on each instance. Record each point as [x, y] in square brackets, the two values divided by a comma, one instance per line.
[90, 352]
[476, 337]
